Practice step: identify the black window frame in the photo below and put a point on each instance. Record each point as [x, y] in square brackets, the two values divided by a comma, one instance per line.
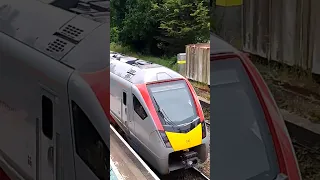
[82, 147]
[124, 98]
[140, 109]
[47, 116]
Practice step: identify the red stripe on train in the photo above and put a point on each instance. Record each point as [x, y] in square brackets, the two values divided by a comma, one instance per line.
[196, 101]
[146, 97]
[100, 85]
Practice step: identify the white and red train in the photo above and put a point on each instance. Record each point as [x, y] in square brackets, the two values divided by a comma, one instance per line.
[159, 112]
[54, 91]
[249, 137]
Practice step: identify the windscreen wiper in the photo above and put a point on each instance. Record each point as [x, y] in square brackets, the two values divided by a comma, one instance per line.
[167, 117]
[162, 115]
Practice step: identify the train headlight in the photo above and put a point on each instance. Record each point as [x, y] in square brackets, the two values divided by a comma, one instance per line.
[204, 129]
[165, 139]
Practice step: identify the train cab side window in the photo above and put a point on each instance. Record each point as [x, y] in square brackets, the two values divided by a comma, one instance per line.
[124, 95]
[47, 117]
[89, 145]
[138, 108]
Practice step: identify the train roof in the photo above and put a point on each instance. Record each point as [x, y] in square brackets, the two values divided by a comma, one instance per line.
[219, 46]
[77, 36]
[138, 71]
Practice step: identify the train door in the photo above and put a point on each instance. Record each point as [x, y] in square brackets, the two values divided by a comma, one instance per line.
[124, 111]
[141, 124]
[46, 140]
[130, 122]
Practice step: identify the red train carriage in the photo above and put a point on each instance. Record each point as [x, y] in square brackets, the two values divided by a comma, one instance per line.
[249, 136]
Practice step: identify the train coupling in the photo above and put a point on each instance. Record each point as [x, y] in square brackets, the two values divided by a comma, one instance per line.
[190, 159]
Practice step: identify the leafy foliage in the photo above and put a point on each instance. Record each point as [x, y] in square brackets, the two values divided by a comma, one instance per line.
[159, 27]
[213, 27]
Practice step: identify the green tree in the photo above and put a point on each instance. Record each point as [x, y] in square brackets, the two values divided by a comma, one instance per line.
[118, 11]
[159, 27]
[212, 16]
[139, 26]
[182, 22]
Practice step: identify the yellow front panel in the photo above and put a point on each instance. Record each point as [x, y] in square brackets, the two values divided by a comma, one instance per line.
[229, 2]
[182, 141]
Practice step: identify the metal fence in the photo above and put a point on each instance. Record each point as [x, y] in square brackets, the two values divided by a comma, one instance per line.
[284, 31]
[197, 66]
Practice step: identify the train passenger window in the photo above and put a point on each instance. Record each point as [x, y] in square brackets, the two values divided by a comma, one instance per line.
[89, 144]
[138, 108]
[241, 136]
[47, 117]
[124, 95]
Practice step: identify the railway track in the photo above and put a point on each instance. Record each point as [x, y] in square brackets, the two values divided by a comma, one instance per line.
[187, 174]
[307, 149]
[304, 138]
[299, 91]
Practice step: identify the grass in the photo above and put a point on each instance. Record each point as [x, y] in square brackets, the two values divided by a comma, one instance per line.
[164, 61]
[206, 113]
[200, 85]
[201, 89]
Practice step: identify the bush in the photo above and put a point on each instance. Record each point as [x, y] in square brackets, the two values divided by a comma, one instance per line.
[159, 27]
[114, 34]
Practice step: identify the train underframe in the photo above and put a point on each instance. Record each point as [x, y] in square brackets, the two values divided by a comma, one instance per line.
[187, 158]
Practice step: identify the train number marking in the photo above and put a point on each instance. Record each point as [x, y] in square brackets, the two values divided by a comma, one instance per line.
[29, 161]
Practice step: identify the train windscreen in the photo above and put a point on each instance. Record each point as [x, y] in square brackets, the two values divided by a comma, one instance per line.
[242, 146]
[174, 102]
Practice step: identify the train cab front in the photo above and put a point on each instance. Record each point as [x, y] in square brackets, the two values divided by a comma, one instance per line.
[183, 134]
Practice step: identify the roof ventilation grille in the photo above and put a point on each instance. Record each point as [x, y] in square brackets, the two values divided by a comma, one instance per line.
[131, 71]
[71, 31]
[141, 62]
[56, 46]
